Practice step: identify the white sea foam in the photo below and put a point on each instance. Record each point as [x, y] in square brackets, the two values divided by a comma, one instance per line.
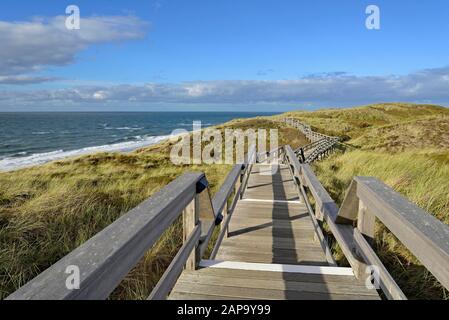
[124, 128]
[9, 164]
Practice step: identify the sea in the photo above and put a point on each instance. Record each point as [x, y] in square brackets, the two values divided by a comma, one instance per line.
[29, 139]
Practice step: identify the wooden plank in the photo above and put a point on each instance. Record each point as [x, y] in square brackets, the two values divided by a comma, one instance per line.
[290, 224]
[386, 281]
[424, 235]
[107, 257]
[324, 203]
[281, 276]
[190, 219]
[202, 297]
[276, 267]
[294, 253]
[171, 274]
[270, 214]
[267, 243]
[318, 232]
[366, 222]
[318, 287]
[278, 210]
[272, 201]
[349, 208]
[275, 232]
[307, 259]
[224, 233]
[263, 294]
[208, 219]
[221, 197]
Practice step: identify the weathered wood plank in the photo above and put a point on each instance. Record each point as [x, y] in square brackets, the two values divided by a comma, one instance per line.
[263, 294]
[386, 281]
[107, 257]
[299, 286]
[317, 277]
[318, 232]
[424, 235]
[190, 219]
[221, 197]
[202, 297]
[271, 242]
[171, 274]
[275, 232]
[327, 207]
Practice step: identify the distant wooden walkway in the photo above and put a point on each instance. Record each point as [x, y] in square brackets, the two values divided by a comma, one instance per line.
[271, 243]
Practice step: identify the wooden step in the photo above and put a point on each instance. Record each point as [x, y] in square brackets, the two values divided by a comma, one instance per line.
[268, 282]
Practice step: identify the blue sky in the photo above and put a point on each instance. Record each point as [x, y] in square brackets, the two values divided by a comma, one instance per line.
[221, 55]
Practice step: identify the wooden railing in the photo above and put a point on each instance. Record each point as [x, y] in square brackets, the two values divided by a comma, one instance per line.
[306, 129]
[323, 149]
[321, 145]
[352, 225]
[104, 260]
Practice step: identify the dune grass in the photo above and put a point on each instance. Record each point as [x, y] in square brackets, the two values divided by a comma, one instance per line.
[47, 211]
[422, 177]
[351, 123]
[407, 147]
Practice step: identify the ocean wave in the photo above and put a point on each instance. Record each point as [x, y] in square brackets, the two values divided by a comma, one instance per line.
[129, 128]
[124, 128]
[203, 124]
[10, 163]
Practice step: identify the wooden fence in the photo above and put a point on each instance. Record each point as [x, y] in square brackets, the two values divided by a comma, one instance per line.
[320, 146]
[352, 225]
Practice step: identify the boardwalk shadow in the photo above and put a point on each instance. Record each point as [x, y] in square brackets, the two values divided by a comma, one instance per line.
[284, 237]
[265, 225]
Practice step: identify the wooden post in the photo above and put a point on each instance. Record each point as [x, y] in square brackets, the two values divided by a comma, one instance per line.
[238, 184]
[225, 215]
[366, 222]
[318, 213]
[190, 218]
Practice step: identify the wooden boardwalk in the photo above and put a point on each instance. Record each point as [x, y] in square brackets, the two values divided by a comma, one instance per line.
[271, 251]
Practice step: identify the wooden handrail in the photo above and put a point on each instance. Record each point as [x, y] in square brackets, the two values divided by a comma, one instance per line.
[353, 225]
[250, 159]
[323, 148]
[105, 259]
[236, 181]
[327, 210]
[313, 136]
[276, 151]
[425, 236]
[310, 145]
[171, 275]
[295, 166]
[321, 143]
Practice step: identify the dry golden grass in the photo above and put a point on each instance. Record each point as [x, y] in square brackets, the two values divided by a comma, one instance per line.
[407, 147]
[47, 211]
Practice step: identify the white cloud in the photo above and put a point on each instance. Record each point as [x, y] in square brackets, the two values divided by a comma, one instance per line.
[30, 46]
[430, 86]
[23, 79]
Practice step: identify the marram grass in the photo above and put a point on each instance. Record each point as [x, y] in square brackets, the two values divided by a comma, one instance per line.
[48, 211]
